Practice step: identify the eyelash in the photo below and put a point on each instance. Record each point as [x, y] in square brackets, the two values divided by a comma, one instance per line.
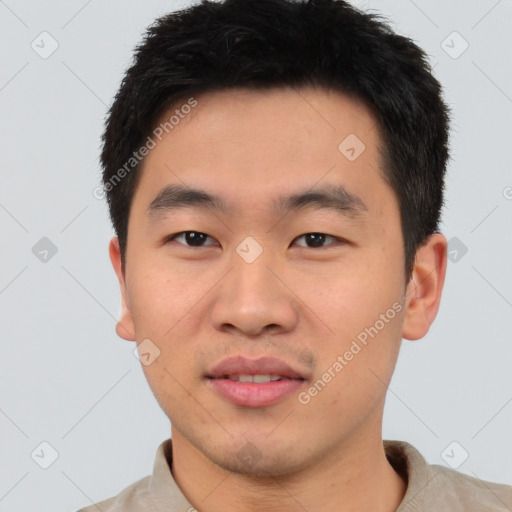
[172, 238]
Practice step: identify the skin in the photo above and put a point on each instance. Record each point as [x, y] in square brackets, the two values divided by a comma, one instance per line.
[302, 304]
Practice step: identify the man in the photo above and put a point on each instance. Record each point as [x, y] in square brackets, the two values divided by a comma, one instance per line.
[274, 172]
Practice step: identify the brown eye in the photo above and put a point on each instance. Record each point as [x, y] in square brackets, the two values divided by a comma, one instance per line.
[191, 238]
[315, 240]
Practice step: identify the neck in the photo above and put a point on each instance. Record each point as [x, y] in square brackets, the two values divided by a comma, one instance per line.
[354, 476]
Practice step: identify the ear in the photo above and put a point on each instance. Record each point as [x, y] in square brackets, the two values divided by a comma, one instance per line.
[125, 327]
[423, 295]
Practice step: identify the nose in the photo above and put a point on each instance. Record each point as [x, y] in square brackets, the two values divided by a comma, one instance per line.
[253, 298]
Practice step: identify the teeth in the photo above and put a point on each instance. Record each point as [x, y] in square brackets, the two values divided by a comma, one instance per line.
[258, 379]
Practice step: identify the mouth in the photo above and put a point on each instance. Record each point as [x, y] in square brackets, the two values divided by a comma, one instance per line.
[263, 368]
[254, 391]
[248, 382]
[260, 378]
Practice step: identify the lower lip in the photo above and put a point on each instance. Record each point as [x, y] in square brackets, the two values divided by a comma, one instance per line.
[250, 394]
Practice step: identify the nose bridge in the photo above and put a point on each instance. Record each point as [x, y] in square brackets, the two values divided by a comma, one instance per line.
[251, 275]
[251, 298]
[251, 279]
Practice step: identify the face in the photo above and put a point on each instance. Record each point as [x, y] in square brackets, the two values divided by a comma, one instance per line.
[299, 258]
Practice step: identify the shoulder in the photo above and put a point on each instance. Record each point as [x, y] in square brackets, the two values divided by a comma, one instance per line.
[157, 492]
[132, 497]
[435, 487]
[469, 493]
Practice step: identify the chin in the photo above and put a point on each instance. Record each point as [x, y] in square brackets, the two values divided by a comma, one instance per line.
[265, 467]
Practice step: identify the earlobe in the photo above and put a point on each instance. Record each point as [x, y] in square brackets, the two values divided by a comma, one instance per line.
[125, 327]
[423, 295]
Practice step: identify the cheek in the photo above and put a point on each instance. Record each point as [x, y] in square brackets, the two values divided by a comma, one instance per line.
[352, 293]
[362, 348]
[162, 297]
[360, 302]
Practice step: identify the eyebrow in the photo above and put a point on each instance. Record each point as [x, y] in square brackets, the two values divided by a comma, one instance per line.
[327, 197]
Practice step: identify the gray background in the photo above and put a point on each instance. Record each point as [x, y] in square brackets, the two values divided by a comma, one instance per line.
[66, 377]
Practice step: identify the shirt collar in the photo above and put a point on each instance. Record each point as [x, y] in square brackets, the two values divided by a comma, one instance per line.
[163, 489]
[165, 494]
[414, 469]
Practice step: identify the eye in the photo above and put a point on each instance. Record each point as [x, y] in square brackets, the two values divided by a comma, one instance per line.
[190, 238]
[315, 240]
[199, 239]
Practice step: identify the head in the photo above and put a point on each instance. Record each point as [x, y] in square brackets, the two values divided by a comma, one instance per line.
[274, 173]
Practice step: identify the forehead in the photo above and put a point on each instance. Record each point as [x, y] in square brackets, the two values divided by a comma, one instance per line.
[247, 145]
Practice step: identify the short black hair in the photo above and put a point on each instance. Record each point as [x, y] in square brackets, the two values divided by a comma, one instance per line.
[264, 44]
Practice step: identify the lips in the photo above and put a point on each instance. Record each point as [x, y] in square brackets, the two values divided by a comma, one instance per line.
[233, 367]
[252, 383]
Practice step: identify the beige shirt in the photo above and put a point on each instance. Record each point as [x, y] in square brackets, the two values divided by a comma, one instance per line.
[431, 488]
